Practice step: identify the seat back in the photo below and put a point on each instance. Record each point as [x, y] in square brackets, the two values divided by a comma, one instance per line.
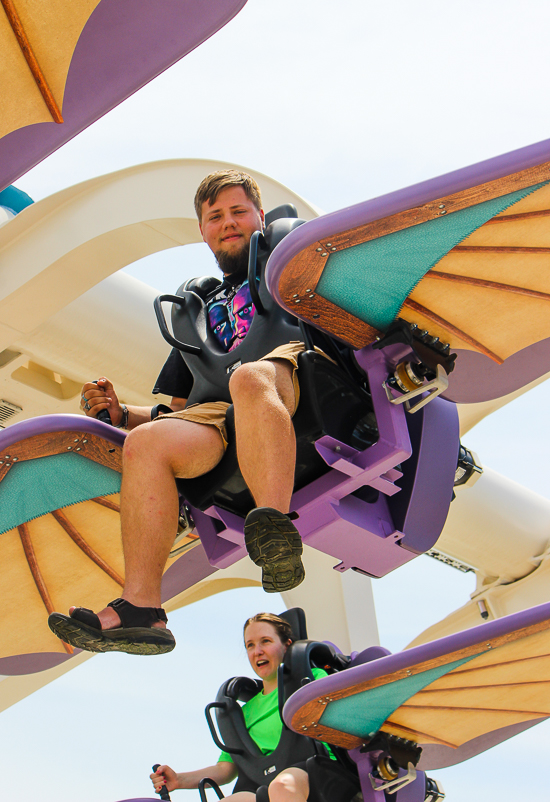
[330, 403]
[270, 327]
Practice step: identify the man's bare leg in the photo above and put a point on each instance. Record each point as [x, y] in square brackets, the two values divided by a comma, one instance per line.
[263, 398]
[153, 455]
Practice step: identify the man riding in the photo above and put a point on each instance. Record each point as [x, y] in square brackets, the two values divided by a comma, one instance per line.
[191, 441]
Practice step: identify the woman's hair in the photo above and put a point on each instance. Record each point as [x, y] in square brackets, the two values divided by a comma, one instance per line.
[282, 627]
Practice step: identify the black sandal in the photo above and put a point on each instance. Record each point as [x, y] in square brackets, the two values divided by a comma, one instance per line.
[137, 635]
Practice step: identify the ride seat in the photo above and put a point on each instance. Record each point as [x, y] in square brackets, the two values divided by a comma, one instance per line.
[332, 780]
[333, 401]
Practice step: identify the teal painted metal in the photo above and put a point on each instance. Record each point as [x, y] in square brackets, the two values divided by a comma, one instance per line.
[372, 280]
[15, 199]
[364, 713]
[38, 486]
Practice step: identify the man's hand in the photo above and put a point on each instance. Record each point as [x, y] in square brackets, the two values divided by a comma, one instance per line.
[95, 397]
[164, 775]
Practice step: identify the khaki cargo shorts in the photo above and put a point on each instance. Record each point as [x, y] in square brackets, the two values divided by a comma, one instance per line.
[212, 413]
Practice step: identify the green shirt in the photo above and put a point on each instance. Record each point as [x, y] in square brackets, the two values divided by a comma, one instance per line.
[263, 722]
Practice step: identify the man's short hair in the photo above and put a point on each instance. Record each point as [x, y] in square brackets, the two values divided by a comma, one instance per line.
[211, 186]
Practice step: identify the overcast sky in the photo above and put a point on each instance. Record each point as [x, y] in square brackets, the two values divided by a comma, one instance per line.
[341, 101]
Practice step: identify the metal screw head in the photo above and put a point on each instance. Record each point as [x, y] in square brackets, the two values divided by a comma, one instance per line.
[69, 448]
[312, 295]
[319, 249]
[324, 254]
[84, 441]
[308, 290]
[296, 300]
[79, 449]
[333, 249]
[7, 456]
[295, 295]
[444, 211]
[329, 244]
[15, 459]
[441, 205]
[76, 440]
[1, 461]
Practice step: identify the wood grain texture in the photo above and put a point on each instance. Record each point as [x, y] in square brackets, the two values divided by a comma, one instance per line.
[30, 58]
[301, 275]
[506, 218]
[416, 307]
[484, 283]
[105, 502]
[50, 443]
[73, 533]
[497, 249]
[309, 715]
[34, 568]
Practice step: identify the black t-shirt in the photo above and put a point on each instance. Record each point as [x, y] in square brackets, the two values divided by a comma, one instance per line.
[175, 378]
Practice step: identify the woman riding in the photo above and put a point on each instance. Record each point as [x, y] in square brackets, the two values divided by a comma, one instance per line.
[266, 639]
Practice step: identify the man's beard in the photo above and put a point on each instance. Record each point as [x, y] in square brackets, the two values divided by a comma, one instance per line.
[234, 264]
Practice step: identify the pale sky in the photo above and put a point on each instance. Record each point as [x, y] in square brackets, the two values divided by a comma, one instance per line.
[341, 102]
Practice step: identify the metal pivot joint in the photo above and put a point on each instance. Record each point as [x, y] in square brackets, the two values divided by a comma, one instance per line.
[433, 388]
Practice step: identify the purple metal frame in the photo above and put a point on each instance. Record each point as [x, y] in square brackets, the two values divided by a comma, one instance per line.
[124, 45]
[363, 535]
[476, 377]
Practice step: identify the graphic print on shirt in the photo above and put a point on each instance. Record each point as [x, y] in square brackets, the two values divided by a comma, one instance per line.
[230, 315]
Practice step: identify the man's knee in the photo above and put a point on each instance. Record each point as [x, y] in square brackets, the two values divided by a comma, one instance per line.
[250, 379]
[142, 442]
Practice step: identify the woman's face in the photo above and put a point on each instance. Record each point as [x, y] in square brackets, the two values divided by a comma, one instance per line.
[264, 648]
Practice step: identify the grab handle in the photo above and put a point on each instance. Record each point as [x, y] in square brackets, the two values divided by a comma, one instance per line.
[163, 793]
[231, 750]
[202, 788]
[161, 320]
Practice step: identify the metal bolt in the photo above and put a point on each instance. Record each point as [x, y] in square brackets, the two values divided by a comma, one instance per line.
[304, 729]
[79, 449]
[324, 254]
[309, 289]
[1, 461]
[329, 244]
[8, 456]
[76, 440]
[15, 459]
[319, 249]
[443, 212]
[441, 205]
[333, 249]
[489, 646]
[409, 672]
[84, 441]
[312, 295]
[295, 295]
[69, 448]
[297, 301]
